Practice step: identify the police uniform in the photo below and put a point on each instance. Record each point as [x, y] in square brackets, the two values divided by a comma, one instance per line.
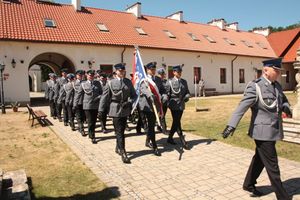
[118, 95]
[146, 102]
[162, 71]
[78, 102]
[70, 99]
[50, 94]
[267, 101]
[178, 94]
[103, 118]
[60, 96]
[91, 91]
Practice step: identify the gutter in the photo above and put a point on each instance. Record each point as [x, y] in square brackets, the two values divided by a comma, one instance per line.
[122, 54]
[232, 90]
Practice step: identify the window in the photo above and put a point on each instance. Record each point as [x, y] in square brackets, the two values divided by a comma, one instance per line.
[193, 37]
[247, 43]
[261, 45]
[49, 23]
[197, 74]
[140, 31]
[287, 78]
[170, 72]
[106, 69]
[229, 41]
[241, 75]
[222, 75]
[169, 34]
[102, 27]
[209, 39]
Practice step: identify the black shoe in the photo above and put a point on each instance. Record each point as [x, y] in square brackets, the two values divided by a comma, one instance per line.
[66, 124]
[125, 159]
[82, 133]
[117, 150]
[253, 190]
[148, 144]
[171, 141]
[59, 119]
[54, 117]
[94, 141]
[156, 152]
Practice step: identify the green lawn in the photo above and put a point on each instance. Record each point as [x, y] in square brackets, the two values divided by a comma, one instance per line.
[211, 123]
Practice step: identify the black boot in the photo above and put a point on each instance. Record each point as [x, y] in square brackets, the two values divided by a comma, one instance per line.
[117, 150]
[125, 159]
[72, 126]
[184, 143]
[148, 143]
[82, 132]
[156, 152]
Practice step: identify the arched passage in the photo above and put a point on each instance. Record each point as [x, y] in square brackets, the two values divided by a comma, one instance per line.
[39, 68]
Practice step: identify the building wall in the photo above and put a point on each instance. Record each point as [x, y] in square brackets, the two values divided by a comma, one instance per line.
[17, 86]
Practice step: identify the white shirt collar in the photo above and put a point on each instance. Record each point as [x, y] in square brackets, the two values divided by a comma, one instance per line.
[270, 82]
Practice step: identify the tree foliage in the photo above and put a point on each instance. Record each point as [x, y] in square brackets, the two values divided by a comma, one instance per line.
[280, 28]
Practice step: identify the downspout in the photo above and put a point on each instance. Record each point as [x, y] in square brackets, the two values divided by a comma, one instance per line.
[232, 90]
[122, 55]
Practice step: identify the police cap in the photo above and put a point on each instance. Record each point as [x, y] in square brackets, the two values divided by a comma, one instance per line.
[274, 63]
[119, 66]
[151, 65]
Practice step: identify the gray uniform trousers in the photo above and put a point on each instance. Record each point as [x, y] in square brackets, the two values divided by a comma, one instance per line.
[265, 128]
[49, 94]
[77, 105]
[60, 96]
[69, 103]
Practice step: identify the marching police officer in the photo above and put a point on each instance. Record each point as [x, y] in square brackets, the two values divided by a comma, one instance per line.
[69, 89]
[162, 75]
[267, 102]
[50, 92]
[60, 97]
[148, 102]
[78, 101]
[178, 94]
[91, 91]
[118, 95]
[103, 118]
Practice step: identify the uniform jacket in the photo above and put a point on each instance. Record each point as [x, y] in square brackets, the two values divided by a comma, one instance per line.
[78, 99]
[69, 93]
[266, 123]
[60, 93]
[91, 94]
[119, 96]
[50, 89]
[178, 93]
[146, 97]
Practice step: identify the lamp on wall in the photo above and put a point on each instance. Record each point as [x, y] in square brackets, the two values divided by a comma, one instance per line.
[13, 63]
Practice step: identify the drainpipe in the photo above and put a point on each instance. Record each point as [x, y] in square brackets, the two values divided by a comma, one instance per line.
[232, 90]
[122, 55]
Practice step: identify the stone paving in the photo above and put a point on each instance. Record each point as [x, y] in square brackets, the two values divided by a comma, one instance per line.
[210, 170]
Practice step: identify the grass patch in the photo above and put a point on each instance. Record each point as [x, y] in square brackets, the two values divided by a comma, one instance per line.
[210, 124]
[54, 171]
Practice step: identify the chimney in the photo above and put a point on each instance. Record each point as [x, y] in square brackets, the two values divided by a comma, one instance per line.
[218, 22]
[262, 31]
[77, 5]
[177, 16]
[135, 9]
[233, 26]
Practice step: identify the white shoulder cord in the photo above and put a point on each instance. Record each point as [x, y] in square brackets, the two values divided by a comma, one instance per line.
[258, 92]
[175, 92]
[73, 84]
[115, 94]
[84, 89]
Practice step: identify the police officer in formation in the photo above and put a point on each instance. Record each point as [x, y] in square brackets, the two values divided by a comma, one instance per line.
[69, 89]
[103, 118]
[78, 101]
[60, 97]
[267, 102]
[118, 95]
[50, 94]
[90, 90]
[148, 102]
[178, 94]
[162, 75]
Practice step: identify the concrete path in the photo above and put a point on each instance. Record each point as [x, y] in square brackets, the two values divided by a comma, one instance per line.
[210, 170]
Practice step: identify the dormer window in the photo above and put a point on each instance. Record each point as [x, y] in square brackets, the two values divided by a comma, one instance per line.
[49, 23]
[229, 41]
[261, 45]
[209, 39]
[194, 37]
[102, 27]
[169, 34]
[247, 43]
[140, 31]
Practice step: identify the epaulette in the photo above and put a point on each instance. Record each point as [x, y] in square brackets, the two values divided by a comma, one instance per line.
[257, 80]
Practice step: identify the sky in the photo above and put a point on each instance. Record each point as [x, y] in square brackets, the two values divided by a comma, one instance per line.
[248, 13]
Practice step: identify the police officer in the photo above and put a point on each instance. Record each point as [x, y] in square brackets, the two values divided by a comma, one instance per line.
[91, 91]
[119, 96]
[60, 97]
[178, 94]
[50, 92]
[162, 75]
[69, 89]
[78, 101]
[147, 102]
[103, 118]
[267, 102]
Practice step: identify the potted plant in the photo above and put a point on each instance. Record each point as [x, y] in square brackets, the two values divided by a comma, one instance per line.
[15, 106]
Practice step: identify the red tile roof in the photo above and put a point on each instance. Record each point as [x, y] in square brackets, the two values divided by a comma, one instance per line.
[25, 21]
[285, 44]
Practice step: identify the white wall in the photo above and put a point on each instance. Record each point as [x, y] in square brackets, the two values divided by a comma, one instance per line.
[17, 86]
